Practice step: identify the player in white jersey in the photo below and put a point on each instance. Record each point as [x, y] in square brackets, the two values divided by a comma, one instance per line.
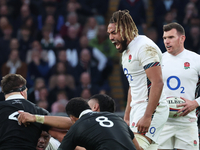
[181, 71]
[146, 110]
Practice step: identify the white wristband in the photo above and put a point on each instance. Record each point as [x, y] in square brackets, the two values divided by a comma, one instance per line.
[39, 119]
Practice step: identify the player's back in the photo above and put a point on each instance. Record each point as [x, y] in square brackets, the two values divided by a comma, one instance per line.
[103, 131]
[14, 136]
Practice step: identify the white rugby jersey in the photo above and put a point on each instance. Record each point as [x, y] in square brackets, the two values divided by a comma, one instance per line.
[141, 54]
[181, 76]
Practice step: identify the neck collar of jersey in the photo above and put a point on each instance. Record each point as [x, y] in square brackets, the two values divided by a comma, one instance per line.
[131, 43]
[85, 112]
[16, 96]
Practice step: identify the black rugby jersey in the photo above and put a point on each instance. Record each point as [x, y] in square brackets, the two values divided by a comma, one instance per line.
[99, 131]
[12, 135]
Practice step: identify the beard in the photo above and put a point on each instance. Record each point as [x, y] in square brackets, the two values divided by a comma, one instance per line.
[123, 45]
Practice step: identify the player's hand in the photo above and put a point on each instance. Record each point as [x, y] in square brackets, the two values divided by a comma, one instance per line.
[25, 118]
[143, 124]
[188, 106]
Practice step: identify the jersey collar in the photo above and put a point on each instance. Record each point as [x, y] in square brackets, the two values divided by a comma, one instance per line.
[132, 42]
[16, 96]
[85, 112]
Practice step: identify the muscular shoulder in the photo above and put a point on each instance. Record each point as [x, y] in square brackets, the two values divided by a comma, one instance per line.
[33, 108]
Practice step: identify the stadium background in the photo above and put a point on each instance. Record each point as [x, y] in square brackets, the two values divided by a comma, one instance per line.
[40, 32]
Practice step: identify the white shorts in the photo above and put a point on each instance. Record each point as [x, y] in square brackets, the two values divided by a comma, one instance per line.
[159, 118]
[179, 137]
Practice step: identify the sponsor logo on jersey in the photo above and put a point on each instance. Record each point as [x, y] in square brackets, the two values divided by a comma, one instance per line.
[16, 101]
[195, 143]
[129, 58]
[186, 65]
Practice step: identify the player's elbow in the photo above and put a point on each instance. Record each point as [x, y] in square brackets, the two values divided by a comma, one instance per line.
[158, 83]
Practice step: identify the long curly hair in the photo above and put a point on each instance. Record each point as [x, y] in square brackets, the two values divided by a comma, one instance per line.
[124, 22]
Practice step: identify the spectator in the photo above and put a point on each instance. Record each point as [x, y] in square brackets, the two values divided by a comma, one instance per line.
[61, 68]
[4, 12]
[86, 94]
[50, 9]
[102, 42]
[3, 23]
[50, 21]
[190, 11]
[29, 22]
[24, 14]
[4, 43]
[63, 58]
[60, 86]
[46, 55]
[193, 42]
[42, 104]
[97, 56]
[43, 94]
[47, 41]
[97, 8]
[161, 7]
[59, 42]
[72, 20]
[14, 44]
[14, 65]
[72, 44]
[153, 35]
[85, 65]
[58, 107]
[137, 11]
[37, 68]
[90, 28]
[33, 93]
[85, 83]
[25, 42]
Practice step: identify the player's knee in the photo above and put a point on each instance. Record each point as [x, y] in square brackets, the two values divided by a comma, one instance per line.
[143, 142]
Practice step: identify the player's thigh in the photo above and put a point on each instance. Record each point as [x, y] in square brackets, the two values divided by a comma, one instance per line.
[187, 138]
[136, 113]
[167, 137]
[158, 121]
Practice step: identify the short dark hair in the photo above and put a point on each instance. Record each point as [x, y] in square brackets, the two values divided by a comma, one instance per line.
[106, 103]
[11, 82]
[75, 106]
[174, 25]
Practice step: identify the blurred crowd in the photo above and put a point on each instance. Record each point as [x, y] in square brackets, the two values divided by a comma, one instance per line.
[62, 47]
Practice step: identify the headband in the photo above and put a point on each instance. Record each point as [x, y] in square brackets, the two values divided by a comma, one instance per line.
[17, 90]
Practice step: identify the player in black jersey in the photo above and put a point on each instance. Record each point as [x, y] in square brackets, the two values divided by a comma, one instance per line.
[98, 102]
[12, 135]
[96, 130]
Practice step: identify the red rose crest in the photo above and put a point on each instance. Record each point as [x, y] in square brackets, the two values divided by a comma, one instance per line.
[186, 65]
[133, 124]
[195, 143]
[129, 58]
